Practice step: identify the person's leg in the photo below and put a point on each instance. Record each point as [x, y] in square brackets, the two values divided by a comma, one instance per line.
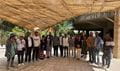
[33, 55]
[61, 50]
[57, 51]
[54, 50]
[93, 55]
[8, 63]
[12, 62]
[47, 51]
[98, 57]
[29, 54]
[67, 50]
[109, 60]
[19, 57]
[72, 49]
[75, 52]
[37, 53]
[26, 54]
[90, 54]
[78, 53]
[22, 56]
[103, 60]
[50, 51]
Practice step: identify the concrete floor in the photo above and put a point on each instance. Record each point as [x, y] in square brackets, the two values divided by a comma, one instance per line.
[57, 64]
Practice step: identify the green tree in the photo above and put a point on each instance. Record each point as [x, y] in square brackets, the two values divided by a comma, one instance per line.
[64, 27]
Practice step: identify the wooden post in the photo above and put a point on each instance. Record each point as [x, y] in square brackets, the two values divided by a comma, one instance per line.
[116, 50]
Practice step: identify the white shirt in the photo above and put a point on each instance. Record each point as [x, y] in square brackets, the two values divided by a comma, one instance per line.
[20, 44]
[36, 41]
[29, 42]
[60, 40]
[65, 42]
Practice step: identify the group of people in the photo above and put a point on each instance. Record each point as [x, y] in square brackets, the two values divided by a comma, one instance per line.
[31, 47]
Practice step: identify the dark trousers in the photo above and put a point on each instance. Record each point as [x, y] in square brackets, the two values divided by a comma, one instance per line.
[20, 56]
[91, 54]
[28, 54]
[106, 58]
[61, 50]
[65, 50]
[55, 50]
[35, 53]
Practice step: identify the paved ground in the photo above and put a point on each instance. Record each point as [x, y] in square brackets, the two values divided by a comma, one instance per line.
[57, 64]
[53, 64]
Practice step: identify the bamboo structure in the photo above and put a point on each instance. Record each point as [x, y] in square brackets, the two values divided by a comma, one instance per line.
[45, 13]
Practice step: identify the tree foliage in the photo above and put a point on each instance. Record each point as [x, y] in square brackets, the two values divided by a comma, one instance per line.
[64, 27]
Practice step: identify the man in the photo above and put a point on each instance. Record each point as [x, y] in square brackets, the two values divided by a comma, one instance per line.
[56, 43]
[107, 50]
[98, 46]
[29, 46]
[61, 45]
[49, 42]
[65, 45]
[90, 44]
[36, 43]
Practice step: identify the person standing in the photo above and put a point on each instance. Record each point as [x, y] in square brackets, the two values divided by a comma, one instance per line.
[107, 50]
[36, 43]
[29, 47]
[78, 47]
[65, 45]
[84, 47]
[10, 50]
[43, 47]
[91, 48]
[56, 43]
[49, 41]
[71, 45]
[20, 49]
[98, 46]
[61, 45]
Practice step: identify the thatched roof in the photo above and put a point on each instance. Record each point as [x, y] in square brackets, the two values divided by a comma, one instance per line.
[45, 13]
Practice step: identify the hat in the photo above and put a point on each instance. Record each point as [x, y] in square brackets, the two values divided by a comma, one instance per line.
[12, 35]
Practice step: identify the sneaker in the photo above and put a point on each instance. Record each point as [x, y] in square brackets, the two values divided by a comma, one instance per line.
[107, 69]
[23, 64]
[19, 64]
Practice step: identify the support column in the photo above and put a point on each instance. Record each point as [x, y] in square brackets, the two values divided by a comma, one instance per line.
[116, 50]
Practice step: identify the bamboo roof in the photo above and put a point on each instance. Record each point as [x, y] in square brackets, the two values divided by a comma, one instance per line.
[45, 13]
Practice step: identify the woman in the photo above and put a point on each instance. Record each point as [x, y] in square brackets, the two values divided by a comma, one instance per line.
[84, 47]
[71, 45]
[20, 49]
[78, 46]
[43, 47]
[10, 50]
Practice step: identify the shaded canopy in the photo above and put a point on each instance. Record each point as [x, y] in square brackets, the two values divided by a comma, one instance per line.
[45, 13]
